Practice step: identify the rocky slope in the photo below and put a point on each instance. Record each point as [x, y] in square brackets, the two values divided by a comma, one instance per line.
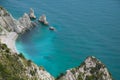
[16, 67]
[90, 69]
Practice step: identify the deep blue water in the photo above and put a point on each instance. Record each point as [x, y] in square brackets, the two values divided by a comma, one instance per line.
[84, 28]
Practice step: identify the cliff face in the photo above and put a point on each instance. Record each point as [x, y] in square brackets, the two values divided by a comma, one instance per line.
[16, 67]
[90, 69]
[11, 24]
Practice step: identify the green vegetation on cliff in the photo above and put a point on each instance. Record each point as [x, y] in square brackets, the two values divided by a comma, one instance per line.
[14, 66]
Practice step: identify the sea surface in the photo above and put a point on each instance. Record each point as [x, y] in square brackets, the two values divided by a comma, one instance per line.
[83, 28]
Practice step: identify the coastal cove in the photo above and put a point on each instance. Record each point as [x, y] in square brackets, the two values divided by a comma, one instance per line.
[89, 30]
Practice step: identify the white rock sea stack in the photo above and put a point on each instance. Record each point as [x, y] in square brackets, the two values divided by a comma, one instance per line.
[31, 14]
[43, 19]
[90, 69]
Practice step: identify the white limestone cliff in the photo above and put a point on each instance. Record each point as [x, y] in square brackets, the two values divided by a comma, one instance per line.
[11, 24]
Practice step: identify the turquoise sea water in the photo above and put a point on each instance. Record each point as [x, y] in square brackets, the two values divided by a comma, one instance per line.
[84, 28]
